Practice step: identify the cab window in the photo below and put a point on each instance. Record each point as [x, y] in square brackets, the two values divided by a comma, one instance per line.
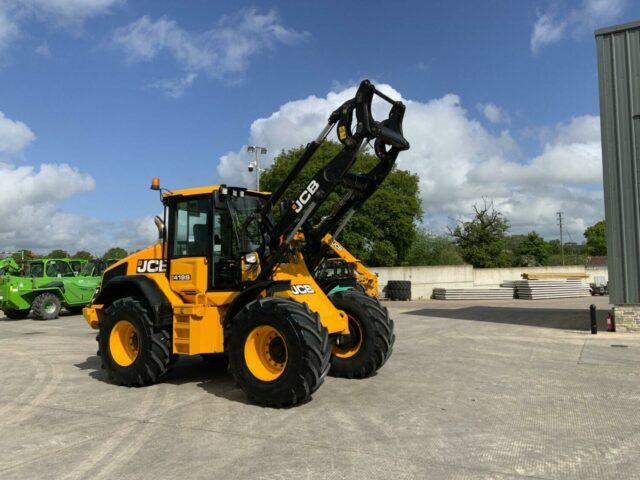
[225, 265]
[58, 269]
[190, 237]
[35, 269]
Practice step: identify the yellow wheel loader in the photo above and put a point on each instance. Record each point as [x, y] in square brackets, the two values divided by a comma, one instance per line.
[226, 277]
[340, 270]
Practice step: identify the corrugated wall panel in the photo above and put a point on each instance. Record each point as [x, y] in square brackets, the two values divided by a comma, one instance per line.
[619, 80]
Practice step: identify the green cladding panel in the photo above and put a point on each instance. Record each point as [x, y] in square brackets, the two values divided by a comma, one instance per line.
[619, 79]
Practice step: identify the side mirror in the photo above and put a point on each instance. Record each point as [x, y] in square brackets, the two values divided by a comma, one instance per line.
[250, 267]
[160, 226]
[251, 258]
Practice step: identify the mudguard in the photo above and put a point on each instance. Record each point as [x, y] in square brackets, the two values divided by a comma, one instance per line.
[251, 293]
[142, 286]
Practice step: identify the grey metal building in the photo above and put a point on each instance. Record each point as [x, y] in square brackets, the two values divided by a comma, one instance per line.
[619, 80]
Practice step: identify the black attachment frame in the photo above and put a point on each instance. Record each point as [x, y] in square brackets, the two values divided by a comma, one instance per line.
[389, 142]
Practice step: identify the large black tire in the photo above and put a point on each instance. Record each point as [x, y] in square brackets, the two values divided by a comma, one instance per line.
[16, 314]
[370, 341]
[46, 306]
[307, 351]
[398, 290]
[153, 344]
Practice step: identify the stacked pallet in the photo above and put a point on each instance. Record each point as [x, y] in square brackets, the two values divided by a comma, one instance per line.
[541, 289]
[497, 293]
[554, 276]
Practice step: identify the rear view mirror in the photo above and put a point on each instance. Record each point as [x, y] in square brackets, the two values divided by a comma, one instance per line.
[160, 226]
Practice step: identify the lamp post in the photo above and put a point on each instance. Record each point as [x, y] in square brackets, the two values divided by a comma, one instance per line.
[255, 164]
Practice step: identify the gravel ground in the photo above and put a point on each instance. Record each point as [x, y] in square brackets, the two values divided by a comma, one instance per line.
[501, 390]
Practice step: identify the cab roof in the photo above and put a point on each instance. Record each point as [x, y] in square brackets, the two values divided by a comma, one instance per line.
[194, 191]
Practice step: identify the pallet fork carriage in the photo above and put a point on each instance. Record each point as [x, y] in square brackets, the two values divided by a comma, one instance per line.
[226, 277]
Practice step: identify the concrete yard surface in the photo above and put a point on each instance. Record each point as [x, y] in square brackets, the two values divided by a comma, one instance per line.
[498, 390]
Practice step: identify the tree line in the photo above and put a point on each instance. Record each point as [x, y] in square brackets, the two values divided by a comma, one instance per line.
[484, 241]
[111, 253]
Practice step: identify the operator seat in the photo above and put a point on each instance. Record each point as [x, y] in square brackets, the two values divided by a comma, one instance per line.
[198, 247]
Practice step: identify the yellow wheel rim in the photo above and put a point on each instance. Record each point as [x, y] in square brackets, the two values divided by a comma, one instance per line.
[123, 343]
[265, 353]
[346, 346]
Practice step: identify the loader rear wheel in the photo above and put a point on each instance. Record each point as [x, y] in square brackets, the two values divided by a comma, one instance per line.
[278, 351]
[16, 314]
[132, 350]
[370, 340]
[46, 306]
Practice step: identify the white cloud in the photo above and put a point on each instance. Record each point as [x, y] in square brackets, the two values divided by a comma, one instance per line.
[494, 113]
[552, 25]
[31, 205]
[29, 200]
[221, 52]
[459, 162]
[135, 233]
[33, 217]
[8, 30]
[175, 87]
[14, 136]
[66, 14]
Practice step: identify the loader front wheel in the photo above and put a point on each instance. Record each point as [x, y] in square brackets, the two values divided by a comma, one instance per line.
[370, 340]
[132, 350]
[278, 351]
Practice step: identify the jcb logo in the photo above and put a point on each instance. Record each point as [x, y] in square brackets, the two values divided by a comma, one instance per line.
[302, 289]
[336, 245]
[305, 196]
[153, 265]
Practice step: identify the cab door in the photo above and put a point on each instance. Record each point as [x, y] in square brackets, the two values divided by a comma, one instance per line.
[190, 247]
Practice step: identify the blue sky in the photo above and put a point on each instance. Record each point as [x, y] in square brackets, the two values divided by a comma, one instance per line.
[502, 92]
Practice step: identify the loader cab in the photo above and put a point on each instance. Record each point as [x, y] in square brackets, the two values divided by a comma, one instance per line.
[212, 238]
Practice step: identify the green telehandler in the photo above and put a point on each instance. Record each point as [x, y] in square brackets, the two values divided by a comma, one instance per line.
[44, 287]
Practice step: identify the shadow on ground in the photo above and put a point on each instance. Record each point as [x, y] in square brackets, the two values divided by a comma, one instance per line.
[567, 319]
[210, 373]
[63, 313]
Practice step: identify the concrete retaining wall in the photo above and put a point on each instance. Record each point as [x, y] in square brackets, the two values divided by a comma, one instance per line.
[425, 279]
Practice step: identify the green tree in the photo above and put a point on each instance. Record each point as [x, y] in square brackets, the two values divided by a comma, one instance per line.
[532, 251]
[26, 254]
[82, 255]
[115, 252]
[596, 239]
[431, 249]
[482, 240]
[383, 254]
[389, 215]
[57, 253]
[554, 246]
